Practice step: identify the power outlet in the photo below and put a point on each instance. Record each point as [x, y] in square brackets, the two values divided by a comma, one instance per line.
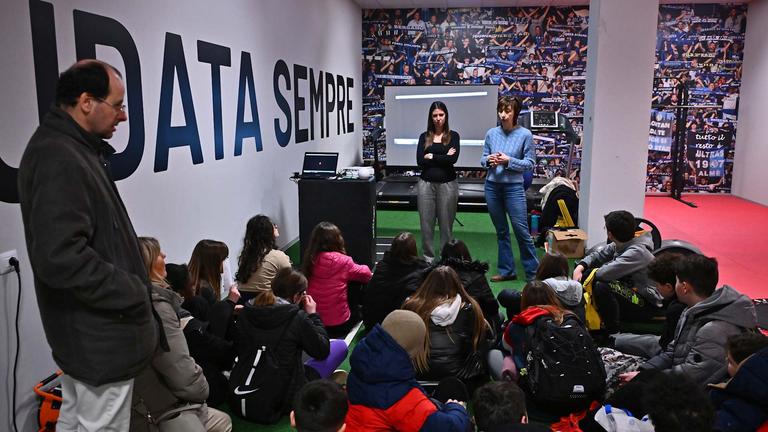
[5, 266]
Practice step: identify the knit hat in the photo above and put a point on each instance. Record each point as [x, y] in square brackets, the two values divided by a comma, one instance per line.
[407, 329]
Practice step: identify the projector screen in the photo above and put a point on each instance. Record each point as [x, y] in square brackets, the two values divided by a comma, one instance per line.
[471, 112]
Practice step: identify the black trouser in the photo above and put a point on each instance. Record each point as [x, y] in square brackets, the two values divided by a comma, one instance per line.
[617, 302]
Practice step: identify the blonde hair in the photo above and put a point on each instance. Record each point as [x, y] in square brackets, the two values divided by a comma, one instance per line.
[150, 250]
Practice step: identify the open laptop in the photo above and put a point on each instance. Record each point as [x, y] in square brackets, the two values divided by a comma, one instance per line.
[319, 165]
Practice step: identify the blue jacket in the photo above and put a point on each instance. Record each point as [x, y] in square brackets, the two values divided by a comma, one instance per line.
[742, 405]
[381, 377]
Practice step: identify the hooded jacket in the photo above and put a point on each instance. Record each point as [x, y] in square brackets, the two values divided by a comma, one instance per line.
[305, 333]
[90, 280]
[391, 284]
[472, 275]
[742, 403]
[627, 263]
[450, 345]
[571, 294]
[384, 395]
[331, 271]
[698, 350]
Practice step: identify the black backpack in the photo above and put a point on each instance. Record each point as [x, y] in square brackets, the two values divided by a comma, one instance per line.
[563, 365]
[256, 388]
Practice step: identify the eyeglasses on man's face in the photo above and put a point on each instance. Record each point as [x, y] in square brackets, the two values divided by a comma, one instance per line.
[116, 107]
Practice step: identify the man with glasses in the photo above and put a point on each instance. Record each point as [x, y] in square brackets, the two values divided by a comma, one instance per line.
[91, 282]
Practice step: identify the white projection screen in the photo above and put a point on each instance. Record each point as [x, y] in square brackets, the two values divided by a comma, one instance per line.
[471, 112]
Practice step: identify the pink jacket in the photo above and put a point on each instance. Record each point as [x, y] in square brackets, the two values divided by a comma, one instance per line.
[328, 285]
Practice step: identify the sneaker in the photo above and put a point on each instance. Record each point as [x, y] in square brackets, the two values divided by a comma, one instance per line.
[502, 278]
[339, 376]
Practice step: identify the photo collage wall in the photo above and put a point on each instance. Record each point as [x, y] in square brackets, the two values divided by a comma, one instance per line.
[701, 46]
[537, 54]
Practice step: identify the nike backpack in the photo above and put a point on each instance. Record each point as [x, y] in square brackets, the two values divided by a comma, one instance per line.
[256, 388]
[563, 365]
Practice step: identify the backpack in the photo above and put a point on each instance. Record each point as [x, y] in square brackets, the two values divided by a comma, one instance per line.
[563, 364]
[256, 388]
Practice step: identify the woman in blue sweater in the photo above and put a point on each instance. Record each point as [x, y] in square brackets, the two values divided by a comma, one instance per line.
[507, 153]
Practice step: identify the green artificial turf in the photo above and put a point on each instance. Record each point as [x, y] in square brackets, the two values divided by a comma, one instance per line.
[477, 232]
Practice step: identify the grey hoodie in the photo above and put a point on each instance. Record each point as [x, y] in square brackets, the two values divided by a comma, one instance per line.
[698, 350]
[568, 290]
[626, 262]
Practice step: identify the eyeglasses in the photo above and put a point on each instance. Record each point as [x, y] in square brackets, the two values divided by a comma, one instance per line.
[116, 107]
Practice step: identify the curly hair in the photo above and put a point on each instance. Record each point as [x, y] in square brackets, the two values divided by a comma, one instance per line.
[259, 240]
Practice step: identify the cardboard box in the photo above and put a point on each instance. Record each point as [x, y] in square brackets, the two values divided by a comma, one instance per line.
[570, 242]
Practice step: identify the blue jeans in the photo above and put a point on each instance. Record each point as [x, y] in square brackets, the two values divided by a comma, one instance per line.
[509, 199]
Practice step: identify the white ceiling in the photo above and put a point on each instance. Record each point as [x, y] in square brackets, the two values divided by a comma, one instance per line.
[393, 4]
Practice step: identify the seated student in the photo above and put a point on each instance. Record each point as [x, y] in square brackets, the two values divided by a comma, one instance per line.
[329, 270]
[395, 277]
[205, 266]
[622, 290]
[712, 315]
[455, 255]
[456, 328]
[499, 406]
[740, 403]
[296, 319]
[213, 352]
[553, 271]
[662, 270]
[382, 388]
[260, 259]
[320, 406]
[174, 379]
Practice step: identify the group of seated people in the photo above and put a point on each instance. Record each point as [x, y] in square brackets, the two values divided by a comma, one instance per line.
[435, 336]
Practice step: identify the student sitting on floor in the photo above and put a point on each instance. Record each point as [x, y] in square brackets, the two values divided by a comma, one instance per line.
[395, 277]
[455, 254]
[330, 270]
[205, 267]
[456, 329]
[663, 271]
[260, 259]
[553, 271]
[712, 315]
[320, 406]
[382, 388]
[740, 403]
[499, 406]
[622, 290]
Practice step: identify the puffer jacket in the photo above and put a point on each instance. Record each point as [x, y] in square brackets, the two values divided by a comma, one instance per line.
[742, 403]
[472, 275]
[391, 284]
[305, 333]
[698, 350]
[173, 378]
[331, 271]
[449, 346]
[627, 263]
[384, 395]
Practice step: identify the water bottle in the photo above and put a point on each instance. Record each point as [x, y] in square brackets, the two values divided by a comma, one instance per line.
[535, 224]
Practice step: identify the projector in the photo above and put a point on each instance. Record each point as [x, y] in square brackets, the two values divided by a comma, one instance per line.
[362, 172]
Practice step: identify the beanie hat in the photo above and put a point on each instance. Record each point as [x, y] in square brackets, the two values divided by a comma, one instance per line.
[407, 329]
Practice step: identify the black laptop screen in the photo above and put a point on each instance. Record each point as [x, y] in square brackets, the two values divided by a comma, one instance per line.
[320, 163]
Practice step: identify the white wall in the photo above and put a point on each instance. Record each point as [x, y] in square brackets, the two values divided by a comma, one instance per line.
[186, 202]
[751, 156]
[622, 38]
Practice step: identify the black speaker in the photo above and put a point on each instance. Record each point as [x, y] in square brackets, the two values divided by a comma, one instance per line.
[348, 204]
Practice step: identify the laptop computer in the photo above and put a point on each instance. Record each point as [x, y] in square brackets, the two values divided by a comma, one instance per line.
[319, 165]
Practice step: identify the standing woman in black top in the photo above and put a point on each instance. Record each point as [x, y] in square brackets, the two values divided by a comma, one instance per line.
[438, 191]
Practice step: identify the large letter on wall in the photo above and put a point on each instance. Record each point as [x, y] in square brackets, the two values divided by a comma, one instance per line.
[217, 56]
[245, 129]
[175, 136]
[92, 30]
[281, 70]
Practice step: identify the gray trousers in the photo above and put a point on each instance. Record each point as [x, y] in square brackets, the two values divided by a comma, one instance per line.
[645, 345]
[436, 200]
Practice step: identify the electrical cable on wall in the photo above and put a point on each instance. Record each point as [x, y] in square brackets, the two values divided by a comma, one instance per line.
[15, 264]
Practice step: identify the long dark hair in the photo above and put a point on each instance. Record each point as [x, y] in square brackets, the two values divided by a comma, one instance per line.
[537, 293]
[456, 249]
[431, 125]
[441, 285]
[326, 237]
[259, 240]
[205, 264]
[403, 249]
[553, 264]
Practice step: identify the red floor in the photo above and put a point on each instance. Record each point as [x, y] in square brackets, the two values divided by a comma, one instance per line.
[733, 230]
